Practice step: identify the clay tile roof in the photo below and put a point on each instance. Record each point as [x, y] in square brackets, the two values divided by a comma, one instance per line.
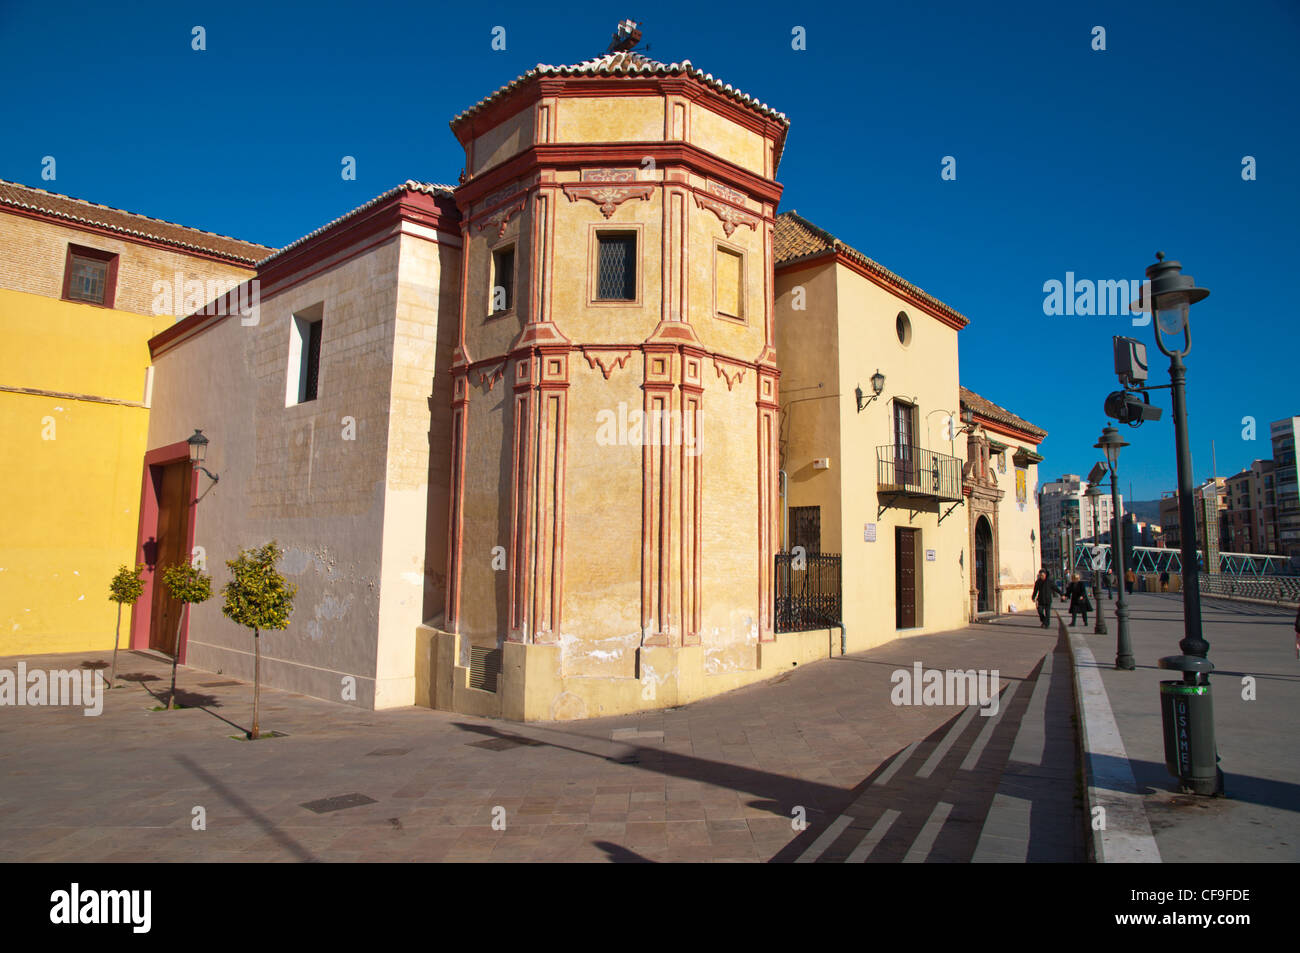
[986, 408]
[797, 238]
[410, 185]
[80, 212]
[628, 63]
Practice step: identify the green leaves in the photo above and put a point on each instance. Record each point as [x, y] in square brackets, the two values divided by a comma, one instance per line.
[187, 583]
[127, 586]
[258, 596]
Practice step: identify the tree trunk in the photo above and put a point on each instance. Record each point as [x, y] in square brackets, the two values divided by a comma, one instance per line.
[257, 678]
[117, 634]
[176, 654]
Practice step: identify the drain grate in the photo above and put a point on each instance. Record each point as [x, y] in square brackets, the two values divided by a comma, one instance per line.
[621, 734]
[501, 744]
[388, 752]
[338, 803]
[218, 684]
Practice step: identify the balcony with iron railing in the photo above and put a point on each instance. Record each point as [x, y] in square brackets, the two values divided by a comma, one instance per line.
[915, 472]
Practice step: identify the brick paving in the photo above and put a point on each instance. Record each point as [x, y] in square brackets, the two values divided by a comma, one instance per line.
[718, 780]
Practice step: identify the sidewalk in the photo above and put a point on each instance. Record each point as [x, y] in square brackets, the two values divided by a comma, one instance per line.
[717, 780]
[1259, 819]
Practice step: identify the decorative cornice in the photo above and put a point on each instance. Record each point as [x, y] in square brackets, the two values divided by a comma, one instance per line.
[501, 218]
[730, 216]
[605, 360]
[608, 197]
[492, 376]
[731, 373]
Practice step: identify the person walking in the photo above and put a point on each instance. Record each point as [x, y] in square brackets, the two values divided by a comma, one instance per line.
[1105, 581]
[1044, 589]
[1077, 593]
[1130, 579]
[1164, 581]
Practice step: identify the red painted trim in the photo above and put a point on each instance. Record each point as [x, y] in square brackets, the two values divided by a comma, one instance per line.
[840, 258]
[576, 155]
[1007, 430]
[148, 528]
[116, 235]
[110, 273]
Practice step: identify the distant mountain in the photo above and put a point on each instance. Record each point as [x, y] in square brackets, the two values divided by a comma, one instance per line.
[1147, 511]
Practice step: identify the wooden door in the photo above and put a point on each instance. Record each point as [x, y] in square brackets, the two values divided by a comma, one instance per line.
[175, 504]
[904, 443]
[905, 577]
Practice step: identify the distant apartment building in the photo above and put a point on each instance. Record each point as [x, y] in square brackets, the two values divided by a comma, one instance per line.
[1251, 515]
[1066, 499]
[1283, 434]
[1170, 521]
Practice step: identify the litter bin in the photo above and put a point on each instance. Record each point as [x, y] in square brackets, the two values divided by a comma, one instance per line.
[1187, 711]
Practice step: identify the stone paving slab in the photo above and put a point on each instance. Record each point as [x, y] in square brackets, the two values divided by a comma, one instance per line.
[717, 780]
[1259, 819]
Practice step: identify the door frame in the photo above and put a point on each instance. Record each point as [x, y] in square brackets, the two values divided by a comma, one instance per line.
[984, 581]
[141, 613]
[916, 582]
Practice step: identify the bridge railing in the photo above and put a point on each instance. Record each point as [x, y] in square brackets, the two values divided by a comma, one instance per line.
[1281, 590]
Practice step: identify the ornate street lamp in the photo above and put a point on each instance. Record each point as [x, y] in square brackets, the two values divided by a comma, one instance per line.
[877, 386]
[1190, 750]
[1111, 443]
[198, 453]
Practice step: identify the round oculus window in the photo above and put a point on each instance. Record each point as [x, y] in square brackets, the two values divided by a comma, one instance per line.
[903, 327]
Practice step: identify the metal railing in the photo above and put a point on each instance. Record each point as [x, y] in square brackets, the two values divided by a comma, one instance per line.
[1282, 590]
[806, 592]
[919, 472]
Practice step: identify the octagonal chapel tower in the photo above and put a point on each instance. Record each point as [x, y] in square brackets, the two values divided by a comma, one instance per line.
[614, 435]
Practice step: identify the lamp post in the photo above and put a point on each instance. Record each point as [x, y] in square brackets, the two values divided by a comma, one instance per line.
[1094, 500]
[1190, 750]
[1111, 443]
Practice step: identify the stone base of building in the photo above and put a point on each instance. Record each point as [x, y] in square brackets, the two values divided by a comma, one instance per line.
[532, 686]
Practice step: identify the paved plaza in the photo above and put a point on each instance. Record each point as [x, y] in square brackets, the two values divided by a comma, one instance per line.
[723, 779]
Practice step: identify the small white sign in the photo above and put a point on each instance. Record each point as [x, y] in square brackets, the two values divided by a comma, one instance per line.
[868, 532]
[929, 555]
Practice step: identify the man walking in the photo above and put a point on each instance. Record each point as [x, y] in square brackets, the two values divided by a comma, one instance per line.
[1130, 578]
[1044, 589]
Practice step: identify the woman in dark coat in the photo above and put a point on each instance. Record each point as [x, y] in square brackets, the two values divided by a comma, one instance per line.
[1077, 593]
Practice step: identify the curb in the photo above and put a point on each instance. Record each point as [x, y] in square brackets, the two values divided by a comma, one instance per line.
[1125, 837]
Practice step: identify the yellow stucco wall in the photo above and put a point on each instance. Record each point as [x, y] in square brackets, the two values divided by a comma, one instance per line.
[71, 479]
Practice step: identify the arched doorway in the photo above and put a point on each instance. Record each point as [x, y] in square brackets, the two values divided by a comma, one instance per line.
[984, 564]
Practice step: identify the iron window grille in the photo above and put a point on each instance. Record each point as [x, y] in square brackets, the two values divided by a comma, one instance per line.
[616, 266]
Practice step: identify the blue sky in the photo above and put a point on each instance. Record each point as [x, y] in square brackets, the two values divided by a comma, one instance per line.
[1067, 159]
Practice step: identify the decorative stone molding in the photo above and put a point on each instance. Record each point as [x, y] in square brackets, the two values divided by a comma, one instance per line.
[501, 217]
[728, 194]
[608, 197]
[730, 373]
[490, 377]
[606, 360]
[730, 217]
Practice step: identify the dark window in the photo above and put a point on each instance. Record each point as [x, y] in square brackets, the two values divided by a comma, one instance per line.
[503, 280]
[806, 528]
[616, 266]
[311, 360]
[90, 275]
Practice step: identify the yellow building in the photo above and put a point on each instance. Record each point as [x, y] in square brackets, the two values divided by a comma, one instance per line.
[80, 296]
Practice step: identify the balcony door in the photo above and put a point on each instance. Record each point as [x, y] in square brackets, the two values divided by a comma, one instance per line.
[905, 443]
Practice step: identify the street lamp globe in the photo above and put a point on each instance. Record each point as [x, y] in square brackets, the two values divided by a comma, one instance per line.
[198, 448]
[1111, 443]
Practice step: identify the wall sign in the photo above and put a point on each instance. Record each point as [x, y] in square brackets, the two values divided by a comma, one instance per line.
[929, 555]
[868, 532]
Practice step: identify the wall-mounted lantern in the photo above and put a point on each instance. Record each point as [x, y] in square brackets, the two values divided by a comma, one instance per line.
[199, 452]
[877, 385]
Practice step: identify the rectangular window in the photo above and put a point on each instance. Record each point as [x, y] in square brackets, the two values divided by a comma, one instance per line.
[90, 275]
[806, 528]
[616, 266]
[729, 276]
[303, 382]
[503, 280]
